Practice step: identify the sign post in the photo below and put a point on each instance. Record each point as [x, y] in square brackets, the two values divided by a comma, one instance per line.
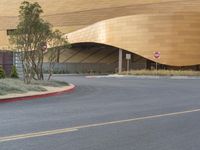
[128, 58]
[156, 56]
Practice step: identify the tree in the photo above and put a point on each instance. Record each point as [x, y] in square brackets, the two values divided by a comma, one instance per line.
[31, 38]
[57, 43]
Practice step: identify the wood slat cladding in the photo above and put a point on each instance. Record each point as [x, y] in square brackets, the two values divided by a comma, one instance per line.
[168, 26]
[175, 35]
[85, 13]
[92, 16]
[10, 7]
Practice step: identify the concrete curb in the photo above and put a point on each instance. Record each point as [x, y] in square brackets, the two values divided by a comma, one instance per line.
[31, 97]
[144, 77]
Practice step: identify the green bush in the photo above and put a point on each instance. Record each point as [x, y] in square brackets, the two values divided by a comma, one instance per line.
[14, 73]
[2, 73]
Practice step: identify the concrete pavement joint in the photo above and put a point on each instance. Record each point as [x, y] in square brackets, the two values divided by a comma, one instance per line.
[72, 129]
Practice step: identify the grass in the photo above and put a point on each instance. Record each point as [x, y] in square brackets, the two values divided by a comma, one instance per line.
[163, 72]
[51, 83]
[8, 86]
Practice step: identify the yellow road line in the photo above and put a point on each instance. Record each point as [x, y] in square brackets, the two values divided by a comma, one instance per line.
[72, 129]
[37, 134]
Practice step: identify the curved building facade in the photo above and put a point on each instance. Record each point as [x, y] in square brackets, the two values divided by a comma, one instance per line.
[99, 28]
[175, 36]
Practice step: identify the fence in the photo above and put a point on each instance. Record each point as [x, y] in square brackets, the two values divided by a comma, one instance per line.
[70, 68]
[6, 61]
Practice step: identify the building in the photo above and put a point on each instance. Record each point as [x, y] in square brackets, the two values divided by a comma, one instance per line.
[102, 32]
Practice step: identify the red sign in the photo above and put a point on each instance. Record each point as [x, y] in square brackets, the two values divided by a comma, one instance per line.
[157, 55]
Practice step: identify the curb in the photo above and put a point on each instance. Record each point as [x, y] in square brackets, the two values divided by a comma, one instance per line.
[69, 89]
[143, 77]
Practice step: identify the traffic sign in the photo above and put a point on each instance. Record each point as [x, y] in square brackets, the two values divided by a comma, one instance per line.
[156, 55]
[128, 56]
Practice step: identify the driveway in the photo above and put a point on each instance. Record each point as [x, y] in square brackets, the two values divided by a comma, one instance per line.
[107, 114]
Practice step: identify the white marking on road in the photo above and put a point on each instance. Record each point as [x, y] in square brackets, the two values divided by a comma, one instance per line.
[138, 119]
[76, 128]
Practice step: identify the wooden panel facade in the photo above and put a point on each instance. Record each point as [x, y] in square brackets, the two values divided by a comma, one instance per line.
[79, 13]
[175, 36]
[139, 26]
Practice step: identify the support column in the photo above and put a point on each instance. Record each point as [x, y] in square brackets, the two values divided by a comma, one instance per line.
[120, 61]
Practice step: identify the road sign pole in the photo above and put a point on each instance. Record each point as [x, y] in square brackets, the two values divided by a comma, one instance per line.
[128, 58]
[156, 56]
[128, 65]
[156, 68]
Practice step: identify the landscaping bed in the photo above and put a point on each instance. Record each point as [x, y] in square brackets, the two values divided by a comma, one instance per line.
[11, 86]
[162, 72]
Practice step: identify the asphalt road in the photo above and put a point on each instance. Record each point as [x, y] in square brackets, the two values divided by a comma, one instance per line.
[107, 114]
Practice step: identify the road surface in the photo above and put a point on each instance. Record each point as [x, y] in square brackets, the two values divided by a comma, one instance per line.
[107, 114]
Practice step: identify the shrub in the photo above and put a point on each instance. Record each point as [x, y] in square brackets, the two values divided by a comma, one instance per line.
[162, 72]
[14, 73]
[2, 73]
